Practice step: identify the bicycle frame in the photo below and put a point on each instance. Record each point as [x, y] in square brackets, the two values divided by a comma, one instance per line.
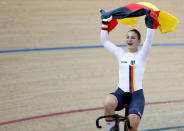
[118, 118]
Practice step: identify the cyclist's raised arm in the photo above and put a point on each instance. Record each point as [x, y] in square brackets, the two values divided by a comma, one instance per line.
[113, 49]
[147, 44]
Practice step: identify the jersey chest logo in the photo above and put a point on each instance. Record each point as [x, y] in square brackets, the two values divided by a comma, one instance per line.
[132, 62]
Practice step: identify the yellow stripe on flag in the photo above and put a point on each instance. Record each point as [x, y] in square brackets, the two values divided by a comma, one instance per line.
[167, 22]
[128, 21]
[149, 5]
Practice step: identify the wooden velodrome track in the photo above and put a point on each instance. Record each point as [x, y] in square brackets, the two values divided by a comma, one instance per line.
[63, 90]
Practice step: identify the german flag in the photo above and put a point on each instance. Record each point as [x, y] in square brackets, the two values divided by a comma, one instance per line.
[154, 19]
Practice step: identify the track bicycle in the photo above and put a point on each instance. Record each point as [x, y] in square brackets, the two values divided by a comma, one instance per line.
[118, 118]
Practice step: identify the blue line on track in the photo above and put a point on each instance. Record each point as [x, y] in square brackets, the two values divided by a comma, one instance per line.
[168, 128]
[77, 47]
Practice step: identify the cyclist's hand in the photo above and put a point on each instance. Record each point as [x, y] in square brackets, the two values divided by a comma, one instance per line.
[105, 20]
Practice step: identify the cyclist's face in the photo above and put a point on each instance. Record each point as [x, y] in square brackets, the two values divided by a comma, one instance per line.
[132, 41]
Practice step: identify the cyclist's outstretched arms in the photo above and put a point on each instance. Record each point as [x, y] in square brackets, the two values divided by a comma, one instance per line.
[147, 44]
[112, 48]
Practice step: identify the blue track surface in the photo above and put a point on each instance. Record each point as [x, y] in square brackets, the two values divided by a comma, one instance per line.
[78, 47]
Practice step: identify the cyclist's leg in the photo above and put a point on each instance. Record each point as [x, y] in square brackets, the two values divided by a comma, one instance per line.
[134, 121]
[110, 105]
[113, 102]
[136, 109]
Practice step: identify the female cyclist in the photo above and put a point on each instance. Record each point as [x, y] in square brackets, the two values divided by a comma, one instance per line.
[132, 63]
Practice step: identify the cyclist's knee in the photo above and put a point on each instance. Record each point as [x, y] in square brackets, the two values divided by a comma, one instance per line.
[110, 103]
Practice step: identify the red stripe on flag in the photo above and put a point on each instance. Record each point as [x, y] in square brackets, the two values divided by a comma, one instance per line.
[155, 15]
[112, 24]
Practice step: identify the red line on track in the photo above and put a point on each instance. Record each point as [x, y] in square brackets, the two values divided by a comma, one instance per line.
[77, 111]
